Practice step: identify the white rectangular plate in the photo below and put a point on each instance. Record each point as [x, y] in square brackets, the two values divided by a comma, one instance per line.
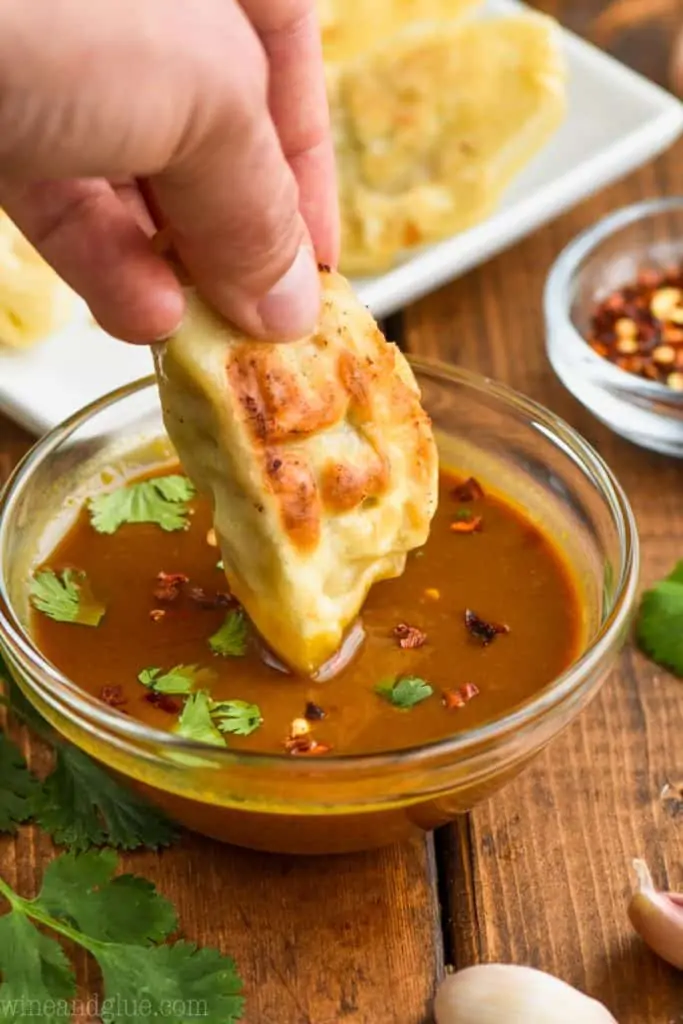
[616, 121]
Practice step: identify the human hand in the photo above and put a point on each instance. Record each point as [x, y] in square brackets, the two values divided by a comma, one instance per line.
[208, 116]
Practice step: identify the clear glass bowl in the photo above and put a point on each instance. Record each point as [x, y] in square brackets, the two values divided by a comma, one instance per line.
[337, 803]
[646, 236]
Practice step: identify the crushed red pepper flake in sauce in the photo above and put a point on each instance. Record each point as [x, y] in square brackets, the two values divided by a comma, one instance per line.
[113, 696]
[472, 525]
[207, 600]
[468, 490]
[306, 745]
[484, 631]
[409, 637]
[313, 712]
[349, 718]
[169, 585]
[164, 702]
[459, 697]
[639, 328]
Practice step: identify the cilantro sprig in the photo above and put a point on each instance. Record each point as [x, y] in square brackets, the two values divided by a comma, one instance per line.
[230, 641]
[162, 500]
[180, 679]
[405, 691]
[196, 723]
[660, 624]
[207, 720]
[78, 803]
[66, 597]
[18, 787]
[124, 924]
[236, 716]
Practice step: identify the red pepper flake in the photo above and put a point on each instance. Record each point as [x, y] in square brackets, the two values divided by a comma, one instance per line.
[458, 698]
[316, 749]
[472, 525]
[305, 745]
[409, 637]
[163, 701]
[208, 601]
[639, 327]
[468, 490]
[169, 585]
[157, 614]
[481, 630]
[113, 696]
[313, 712]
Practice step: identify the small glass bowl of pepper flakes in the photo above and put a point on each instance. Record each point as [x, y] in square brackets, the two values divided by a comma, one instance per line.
[614, 319]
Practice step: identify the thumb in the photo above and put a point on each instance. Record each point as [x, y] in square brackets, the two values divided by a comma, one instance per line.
[230, 204]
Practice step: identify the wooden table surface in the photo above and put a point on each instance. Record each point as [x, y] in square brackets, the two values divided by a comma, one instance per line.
[541, 873]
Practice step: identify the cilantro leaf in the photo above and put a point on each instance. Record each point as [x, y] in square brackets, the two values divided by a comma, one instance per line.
[188, 981]
[37, 978]
[180, 679]
[236, 716]
[231, 639]
[81, 805]
[142, 981]
[660, 624]
[81, 890]
[162, 500]
[404, 692]
[66, 597]
[17, 786]
[196, 723]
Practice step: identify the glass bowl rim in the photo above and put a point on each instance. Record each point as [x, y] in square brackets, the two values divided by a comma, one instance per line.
[556, 300]
[12, 633]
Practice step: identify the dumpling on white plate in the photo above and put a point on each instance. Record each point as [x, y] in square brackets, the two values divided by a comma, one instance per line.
[34, 301]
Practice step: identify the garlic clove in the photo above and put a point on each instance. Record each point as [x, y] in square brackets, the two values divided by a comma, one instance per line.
[657, 917]
[506, 994]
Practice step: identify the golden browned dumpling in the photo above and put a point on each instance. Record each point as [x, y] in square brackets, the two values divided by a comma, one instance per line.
[432, 127]
[319, 458]
[349, 27]
[34, 301]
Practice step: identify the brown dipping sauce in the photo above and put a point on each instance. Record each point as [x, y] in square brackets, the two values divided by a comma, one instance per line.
[506, 571]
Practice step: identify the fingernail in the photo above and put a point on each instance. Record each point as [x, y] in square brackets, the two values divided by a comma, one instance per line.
[291, 307]
[169, 334]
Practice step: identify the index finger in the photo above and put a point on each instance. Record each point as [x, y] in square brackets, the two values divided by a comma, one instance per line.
[289, 32]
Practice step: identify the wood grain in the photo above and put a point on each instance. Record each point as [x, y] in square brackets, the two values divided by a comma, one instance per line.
[541, 873]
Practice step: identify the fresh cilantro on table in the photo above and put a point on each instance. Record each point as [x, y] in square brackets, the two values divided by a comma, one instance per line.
[180, 679]
[660, 623]
[231, 639]
[123, 923]
[79, 804]
[236, 716]
[81, 889]
[66, 597]
[404, 692]
[17, 786]
[162, 500]
[196, 723]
